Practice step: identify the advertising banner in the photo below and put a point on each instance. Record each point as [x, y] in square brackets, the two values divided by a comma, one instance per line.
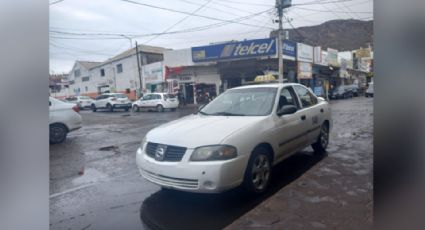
[304, 52]
[289, 49]
[332, 57]
[304, 70]
[317, 55]
[235, 50]
[153, 73]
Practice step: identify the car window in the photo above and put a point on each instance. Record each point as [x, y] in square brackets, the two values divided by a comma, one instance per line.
[287, 97]
[147, 97]
[242, 102]
[306, 97]
[119, 95]
[169, 96]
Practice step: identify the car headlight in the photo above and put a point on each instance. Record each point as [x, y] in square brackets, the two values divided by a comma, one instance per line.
[143, 143]
[214, 153]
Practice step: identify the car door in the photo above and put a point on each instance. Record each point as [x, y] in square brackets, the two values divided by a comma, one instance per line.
[312, 111]
[290, 128]
[155, 100]
[145, 100]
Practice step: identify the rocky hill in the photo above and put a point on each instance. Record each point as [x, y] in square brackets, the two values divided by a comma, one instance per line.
[338, 34]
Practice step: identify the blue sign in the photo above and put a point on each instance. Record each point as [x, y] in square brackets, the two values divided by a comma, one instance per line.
[318, 90]
[235, 50]
[289, 48]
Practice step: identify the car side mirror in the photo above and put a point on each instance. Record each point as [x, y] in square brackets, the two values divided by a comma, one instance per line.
[287, 109]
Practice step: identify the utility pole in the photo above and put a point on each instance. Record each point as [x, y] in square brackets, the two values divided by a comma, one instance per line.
[280, 5]
[138, 70]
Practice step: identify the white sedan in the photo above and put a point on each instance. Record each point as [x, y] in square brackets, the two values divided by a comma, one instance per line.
[63, 118]
[157, 101]
[235, 139]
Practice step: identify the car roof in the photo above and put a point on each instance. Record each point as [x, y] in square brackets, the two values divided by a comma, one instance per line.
[267, 85]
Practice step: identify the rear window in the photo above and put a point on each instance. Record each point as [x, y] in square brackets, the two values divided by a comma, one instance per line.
[169, 96]
[119, 95]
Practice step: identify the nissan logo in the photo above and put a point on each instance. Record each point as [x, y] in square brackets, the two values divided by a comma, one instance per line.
[160, 152]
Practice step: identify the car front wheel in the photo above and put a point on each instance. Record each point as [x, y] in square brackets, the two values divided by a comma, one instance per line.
[159, 108]
[93, 108]
[110, 108]
[136, 108]
[322, 140]
[57, 133]
[258, 172]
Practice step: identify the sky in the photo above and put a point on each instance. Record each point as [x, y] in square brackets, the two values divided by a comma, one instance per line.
[95, 30]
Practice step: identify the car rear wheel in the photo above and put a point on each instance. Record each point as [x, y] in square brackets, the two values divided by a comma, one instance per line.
[110, 108]
[159, 108]
[322, 140]
[136, 108]
[93, 107]
[57, 133]
[258, 172]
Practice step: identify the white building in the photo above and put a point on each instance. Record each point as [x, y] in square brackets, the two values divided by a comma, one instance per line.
[117, 74]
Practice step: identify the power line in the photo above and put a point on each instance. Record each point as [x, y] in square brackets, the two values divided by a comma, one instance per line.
[320, 2]
[333, 11]
[188, 13]
[55, 2]
[180, 21]
[193, 29]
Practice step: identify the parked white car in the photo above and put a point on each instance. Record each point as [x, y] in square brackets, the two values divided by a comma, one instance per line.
[369, 91]
[157, 101]
[235, 139]
[111, 101]
[82, 101]
[63, 118]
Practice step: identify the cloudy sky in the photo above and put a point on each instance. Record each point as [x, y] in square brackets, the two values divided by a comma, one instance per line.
[94, 30]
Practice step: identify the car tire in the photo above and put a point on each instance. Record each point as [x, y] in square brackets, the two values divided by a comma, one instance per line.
[127, 109]
[322, 140]
[57, 133]
[159, 108]
[93, 107]
[136, 108]
[109, 107]
[258, 172]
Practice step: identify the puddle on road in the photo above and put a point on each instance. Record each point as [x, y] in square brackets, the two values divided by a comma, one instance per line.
[90, 176]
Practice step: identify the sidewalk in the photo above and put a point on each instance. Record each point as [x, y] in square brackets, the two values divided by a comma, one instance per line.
[336, 193]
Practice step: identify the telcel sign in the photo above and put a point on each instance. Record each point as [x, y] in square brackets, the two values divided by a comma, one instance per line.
[235, 50]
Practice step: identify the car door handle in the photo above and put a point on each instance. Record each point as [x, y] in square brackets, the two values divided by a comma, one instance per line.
[321, 110]
[303, 117]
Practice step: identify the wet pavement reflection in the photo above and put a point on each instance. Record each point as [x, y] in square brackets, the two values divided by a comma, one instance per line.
[170, 209]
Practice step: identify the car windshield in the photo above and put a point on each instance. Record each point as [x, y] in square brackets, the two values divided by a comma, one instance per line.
[84, 97]
[242, 102]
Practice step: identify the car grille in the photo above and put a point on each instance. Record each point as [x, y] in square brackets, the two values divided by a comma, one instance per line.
[170, 181]
[172, 153]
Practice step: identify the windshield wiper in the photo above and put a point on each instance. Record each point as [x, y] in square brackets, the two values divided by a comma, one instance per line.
[227, 114]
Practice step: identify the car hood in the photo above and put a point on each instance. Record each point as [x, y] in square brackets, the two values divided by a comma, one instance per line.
[197, 130]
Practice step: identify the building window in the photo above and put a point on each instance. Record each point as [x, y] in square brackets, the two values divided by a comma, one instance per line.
[119, 68]
[77, 73]
[102, 72]
[87, 89]
[71, 82]
[85, 78]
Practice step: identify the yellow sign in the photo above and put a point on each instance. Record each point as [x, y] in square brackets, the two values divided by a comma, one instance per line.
[267, 77]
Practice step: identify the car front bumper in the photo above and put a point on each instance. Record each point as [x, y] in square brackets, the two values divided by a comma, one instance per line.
[200, 177]
[124, 106]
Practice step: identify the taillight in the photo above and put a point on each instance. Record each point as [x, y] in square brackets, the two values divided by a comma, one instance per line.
[76, 108]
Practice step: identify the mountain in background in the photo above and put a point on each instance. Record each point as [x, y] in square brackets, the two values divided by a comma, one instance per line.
[342, 35]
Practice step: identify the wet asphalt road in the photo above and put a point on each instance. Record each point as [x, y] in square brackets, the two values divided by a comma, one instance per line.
[94, 182]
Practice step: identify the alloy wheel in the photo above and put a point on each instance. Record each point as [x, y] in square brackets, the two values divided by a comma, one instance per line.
[260, 172]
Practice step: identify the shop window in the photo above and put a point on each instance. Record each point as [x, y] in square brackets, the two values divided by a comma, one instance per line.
[119, 68]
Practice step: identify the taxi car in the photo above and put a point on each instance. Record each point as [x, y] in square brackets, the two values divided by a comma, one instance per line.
[235, 139]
